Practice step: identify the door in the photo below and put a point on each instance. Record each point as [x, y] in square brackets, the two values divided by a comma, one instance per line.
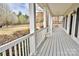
[71, 19]
[63, 22]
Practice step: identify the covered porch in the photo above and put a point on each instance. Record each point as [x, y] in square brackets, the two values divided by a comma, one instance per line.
[50, 40]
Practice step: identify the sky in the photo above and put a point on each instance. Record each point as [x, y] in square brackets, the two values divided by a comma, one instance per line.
[19, 7]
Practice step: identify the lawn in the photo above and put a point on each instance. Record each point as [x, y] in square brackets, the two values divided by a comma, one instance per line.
[11, 29]
[10, 33]
[13, 32]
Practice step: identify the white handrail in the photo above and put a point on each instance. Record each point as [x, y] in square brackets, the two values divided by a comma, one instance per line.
[40, 38]
[18, 41]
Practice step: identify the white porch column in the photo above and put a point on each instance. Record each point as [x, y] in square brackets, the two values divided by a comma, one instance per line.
[50, 24]
[78, 31]
[73, 25]
[32, 19]
[68, 23]
[44, 22]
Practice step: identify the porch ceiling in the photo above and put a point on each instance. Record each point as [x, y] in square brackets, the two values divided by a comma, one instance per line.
[58, 9]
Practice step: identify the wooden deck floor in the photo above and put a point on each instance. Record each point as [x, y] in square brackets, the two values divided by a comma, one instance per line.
[59, 44]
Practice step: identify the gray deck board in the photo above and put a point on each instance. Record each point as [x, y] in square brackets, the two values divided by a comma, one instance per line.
[51, 49]
[42, 48]
[46, 47]
[59, 44]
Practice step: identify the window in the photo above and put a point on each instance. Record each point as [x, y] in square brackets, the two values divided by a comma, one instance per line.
[66, 20]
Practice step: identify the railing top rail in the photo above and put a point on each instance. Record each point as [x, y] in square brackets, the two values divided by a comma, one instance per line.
[12, 43]
[41, 29]
[17, 41]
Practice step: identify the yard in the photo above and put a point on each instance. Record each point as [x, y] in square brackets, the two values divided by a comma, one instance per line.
[11, 29]
[13, 32]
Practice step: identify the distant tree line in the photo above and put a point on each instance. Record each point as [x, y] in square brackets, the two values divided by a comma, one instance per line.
[23, 19]
[13, 19]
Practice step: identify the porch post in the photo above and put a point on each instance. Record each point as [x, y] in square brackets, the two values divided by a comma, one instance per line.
[74, 24]
[50, 24]
[68, 23]
[32, 19]
[44, 22]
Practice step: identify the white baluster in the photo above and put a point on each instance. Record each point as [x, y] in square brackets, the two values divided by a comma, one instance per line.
[25, 49]
[22, 48]
[4, 53]
[19, 49]
[15, 49]
[10, 51]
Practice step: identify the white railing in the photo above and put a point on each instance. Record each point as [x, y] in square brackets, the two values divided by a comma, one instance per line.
[40, 35]
[21, 46]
